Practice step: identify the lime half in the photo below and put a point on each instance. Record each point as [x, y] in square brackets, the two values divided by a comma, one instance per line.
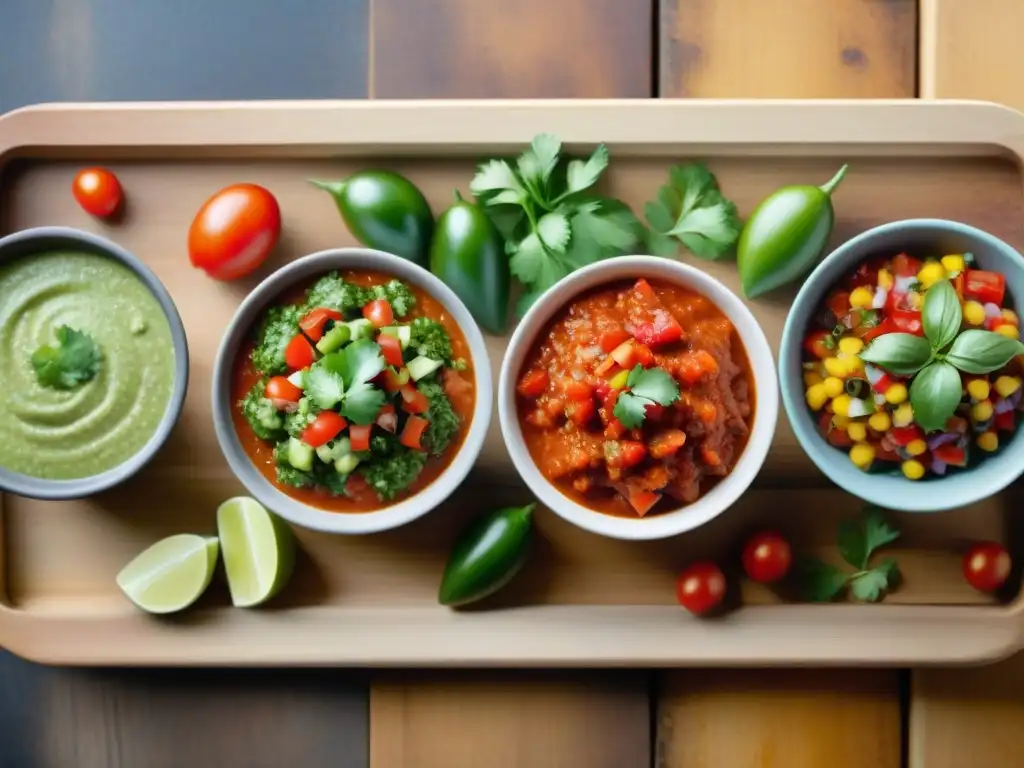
[171, 574]
[258, 548]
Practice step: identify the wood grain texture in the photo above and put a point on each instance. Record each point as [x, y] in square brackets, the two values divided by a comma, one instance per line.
[764, 718]
[510, 49]
[971, 50]
[788, 48]
[510, 720]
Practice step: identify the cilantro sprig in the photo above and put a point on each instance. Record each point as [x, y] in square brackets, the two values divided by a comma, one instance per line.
[692, 210]
[344, 378]
[645, 387]
[551, 220]
[857, 541]
[75, 359]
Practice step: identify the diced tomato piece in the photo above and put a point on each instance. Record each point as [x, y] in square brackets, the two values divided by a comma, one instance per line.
[836, 437]
[280, 389]
[577, 390]
[884, 382]
[614, 430]
[391, 349]
[959, 284]
[326, 427]
[387, 419]
[533, 384]
[694, 366]
[299, 353]
[605, 366]
[951, 454]
[413, 401]
[379, 313]
[885, 454]
[904, 265]
[643, 355]
[908, 321]
[1005, 422]
[865, 275]
[818, 344]
[886, 326]
[839, 303]
[360, 437]
[609, 340]
[648, 320]
[642, 501]
[666, 443]
[654, 412]
[315, 322]
[412, 433]
[984, 286]
[621, 454]
[904, 436]
[579, 412]
[392, 380]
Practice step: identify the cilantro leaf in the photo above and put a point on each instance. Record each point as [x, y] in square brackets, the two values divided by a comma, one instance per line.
[362, 361]
[580, 175]
[494, 176]
[606, 228]
[709, 231]
[659, 244]
[869, 586]
[647, 386]
[362, 404]
[630, 409]
[74, 360]
[553, 230]
[325, 384]
[859, 539]
[821, 581]
[692, 209]
[877, 531]
[537, 163]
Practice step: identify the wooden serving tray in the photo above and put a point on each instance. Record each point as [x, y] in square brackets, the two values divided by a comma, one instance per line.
[582, 600]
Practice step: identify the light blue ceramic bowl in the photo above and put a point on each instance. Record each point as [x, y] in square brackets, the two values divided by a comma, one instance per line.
[918, 237]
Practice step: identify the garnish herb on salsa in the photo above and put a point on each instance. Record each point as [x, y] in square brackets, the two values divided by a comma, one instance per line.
[75, 359]
[355, 390]
[638, 392]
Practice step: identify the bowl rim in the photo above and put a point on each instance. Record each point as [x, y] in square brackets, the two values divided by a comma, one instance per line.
[762, 365]
[263, 296]
[886, 491]
[63, 490]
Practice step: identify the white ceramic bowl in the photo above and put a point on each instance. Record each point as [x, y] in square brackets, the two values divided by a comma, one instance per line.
[725, 493]
[266, 293]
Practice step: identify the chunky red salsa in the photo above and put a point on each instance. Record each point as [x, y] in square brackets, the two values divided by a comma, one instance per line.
[637, 398]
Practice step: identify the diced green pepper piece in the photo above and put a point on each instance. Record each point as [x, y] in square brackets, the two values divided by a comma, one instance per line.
[360, 328]
[334, 339]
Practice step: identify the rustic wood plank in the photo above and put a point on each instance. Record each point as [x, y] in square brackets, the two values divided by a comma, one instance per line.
[972, 50]
[510, 720]
[794, 718]
[788, 48]
[511, 49]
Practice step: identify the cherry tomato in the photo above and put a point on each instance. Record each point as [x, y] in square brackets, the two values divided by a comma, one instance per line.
[767, 557]
[820, 344]
[234, 231]
[98, 191]
[700, 587]
[326, 427]
[986, 287]
[391, 349]
[987, 566]
[279, 388]
[315, 322]
[379, 313]
[299, 353]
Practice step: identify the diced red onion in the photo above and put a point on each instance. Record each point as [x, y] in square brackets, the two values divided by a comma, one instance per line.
[589, 353]
[992, 310]
[287, 406]
[938, 467]
[1014, 399]
[1003, 405]
[942, 439]
[982, 426]
[879, 300]
[902, 283]
[888, 443]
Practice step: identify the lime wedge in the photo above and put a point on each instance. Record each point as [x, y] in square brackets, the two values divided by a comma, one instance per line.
[259, 551]
[171, 574]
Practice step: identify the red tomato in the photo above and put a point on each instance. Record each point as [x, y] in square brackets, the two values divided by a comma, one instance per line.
[908, 321]
[279, 388]
[609, 340]
[985, 286]
[360, 437]
[387, 419]
[313, 324]
[299, 353]
[631, 453]
[328, 425]
[817, 344]
[987, 566]
[413, 432]
[234, 231]
[839, 303]
[868, 333]
[413, 401]
[379, 313]
[767, 557]
[393, 380]
[533, 384]
[577, 390]
[391, 348]
[700, 587]
[642, 500]
[98, 191]
[579, 412]
[905, 266]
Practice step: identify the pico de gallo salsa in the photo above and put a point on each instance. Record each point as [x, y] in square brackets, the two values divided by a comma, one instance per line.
[354, 393]
[867, 408]
[637, 398]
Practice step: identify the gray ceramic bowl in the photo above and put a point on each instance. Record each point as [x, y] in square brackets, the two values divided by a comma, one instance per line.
[918, 237]
[32, 241]
[303, 271]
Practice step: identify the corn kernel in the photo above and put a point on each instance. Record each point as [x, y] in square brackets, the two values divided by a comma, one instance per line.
[1009, 331]
[841, 405]
[931, 273]
[981, 412]
[851, 345]
[953, 263]
[816, 397]
[903, 415]
[841, 422]
[917, 447]
[1007, 385]
[862, 454]
[913, 469]
[835, 367]
[834, 387]
[811, 378]
[896, 394]
[974, 313]
[885, 279]
[854, 366]
[1011, 317]
[857, 431]
[861, 298]
[978, 389]
[880, 421]
[988, 441]
[916, 300]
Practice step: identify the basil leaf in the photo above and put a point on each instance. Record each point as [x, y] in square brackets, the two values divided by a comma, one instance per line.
[977, 351]
[934, 395]
[903, 354]
[941, 315]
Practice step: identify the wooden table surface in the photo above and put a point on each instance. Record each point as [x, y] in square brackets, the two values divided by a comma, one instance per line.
[139, 49]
